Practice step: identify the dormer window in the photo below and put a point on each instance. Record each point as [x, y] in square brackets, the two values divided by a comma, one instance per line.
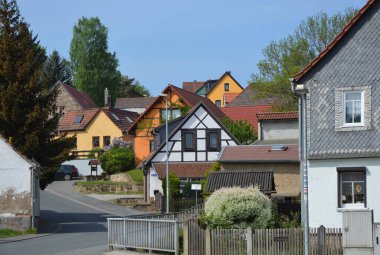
[128, 119]
[78, 119]
[115, 117]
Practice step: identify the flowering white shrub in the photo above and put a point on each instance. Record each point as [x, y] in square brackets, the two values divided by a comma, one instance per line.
[238, 208]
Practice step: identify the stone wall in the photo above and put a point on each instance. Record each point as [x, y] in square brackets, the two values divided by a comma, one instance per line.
[66, 101]
[21, 223]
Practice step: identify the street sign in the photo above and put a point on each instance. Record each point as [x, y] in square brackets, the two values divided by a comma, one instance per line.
[196, 186]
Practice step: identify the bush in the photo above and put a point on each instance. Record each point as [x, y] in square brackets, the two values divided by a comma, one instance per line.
[238, 208]
[174, 183]
[117, 160]
[137, 175]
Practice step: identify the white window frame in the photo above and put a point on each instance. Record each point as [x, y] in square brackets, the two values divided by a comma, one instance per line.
[351, 205]
[362, 105]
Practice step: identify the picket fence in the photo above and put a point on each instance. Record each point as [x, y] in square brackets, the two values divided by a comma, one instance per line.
[259, 241]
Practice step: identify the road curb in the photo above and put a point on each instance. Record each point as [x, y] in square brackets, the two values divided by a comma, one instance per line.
[31, 236]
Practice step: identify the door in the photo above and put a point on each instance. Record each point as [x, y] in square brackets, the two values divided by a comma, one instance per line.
[376, 238]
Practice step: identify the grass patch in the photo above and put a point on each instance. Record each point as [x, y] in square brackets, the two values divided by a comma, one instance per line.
[137, 175]
[97, 183]
[4, 233]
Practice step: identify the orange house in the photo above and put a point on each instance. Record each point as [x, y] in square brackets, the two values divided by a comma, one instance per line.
[180, 101]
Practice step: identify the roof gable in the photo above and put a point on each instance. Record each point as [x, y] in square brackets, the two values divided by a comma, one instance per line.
[7, 149]
[361, 13]
[193, 121]
[84, 100]
[211, 84]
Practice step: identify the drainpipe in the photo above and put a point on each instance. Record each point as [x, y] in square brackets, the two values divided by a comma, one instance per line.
[301, 91]
[32, 193]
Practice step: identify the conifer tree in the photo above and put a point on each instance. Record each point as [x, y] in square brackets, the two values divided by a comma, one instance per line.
[28, 113]
[56, 69]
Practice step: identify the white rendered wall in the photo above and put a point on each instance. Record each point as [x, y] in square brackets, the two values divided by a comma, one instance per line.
[323, 189]
[83, 167]
[154, 182]
[277, 130]
[14, 170]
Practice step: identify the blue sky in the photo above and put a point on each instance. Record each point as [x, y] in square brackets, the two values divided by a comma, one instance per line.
[170, 41]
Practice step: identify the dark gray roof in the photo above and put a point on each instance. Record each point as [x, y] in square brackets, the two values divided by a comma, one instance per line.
[241, 178]
[133, 102]
[246, 98]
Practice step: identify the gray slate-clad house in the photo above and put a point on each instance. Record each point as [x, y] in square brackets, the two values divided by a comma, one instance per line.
[342, 88]
[19, 189]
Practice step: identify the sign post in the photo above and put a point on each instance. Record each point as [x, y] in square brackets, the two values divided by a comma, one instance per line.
[196, 187]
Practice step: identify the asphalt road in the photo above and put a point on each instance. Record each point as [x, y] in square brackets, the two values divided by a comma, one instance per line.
[82, 220]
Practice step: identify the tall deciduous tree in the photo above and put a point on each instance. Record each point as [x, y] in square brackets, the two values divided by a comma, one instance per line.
[94, 67]
[56, 69]
[28, 112]
[241, 129]
[285, 58]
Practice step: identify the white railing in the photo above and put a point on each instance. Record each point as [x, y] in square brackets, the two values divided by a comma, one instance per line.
[149, 234]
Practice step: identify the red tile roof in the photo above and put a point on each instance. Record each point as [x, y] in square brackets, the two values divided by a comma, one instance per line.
[192, 86]
[122, 123]
[259, 153]
[228, 97]
[336, 40]
[183, 169]
[277, 116]
[134, 102]
[247, 113]
[66, 123]
[188, 98]
[84, 100]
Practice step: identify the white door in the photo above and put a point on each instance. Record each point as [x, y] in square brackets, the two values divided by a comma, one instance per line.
[376, 238]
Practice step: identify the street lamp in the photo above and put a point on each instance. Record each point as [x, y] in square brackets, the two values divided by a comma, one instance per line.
[167, 151]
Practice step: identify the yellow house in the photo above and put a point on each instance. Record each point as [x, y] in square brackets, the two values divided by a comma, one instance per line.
[219, 91]
[96, 127]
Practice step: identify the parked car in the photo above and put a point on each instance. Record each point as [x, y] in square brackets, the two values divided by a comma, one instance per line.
[66, 172]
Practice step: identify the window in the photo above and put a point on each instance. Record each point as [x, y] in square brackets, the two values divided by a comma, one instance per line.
[95, 142]
[128, 119]
[151, 145]
[352, 188]
[226, 87]
[218, 103]
[115, 117]
[189, 141]
[173, 114]
[78, 119]
[106, 140]
[213, 140]
[353, 108]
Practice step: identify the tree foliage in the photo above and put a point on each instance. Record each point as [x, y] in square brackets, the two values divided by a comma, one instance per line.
[118, 157]
[174, 185]
[284, 58]
[130, 87]
[238, 208]
[94, 67]
[28, 112]
[56, 69]
[241, 129]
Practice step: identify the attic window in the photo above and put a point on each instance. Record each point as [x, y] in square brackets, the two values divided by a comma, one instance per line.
[278, 147]
[78, 119]
[115, 117]
[128, 119]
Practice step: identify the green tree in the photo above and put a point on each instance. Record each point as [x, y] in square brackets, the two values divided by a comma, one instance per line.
[117, 160]
[241, 129]
[94, 67]
[174, 185]
[56, 69]
[130, 87]
[28, 113]
[284, 58]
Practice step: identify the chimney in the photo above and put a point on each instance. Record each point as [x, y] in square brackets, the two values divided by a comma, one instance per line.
[10, 140]
[107, 98]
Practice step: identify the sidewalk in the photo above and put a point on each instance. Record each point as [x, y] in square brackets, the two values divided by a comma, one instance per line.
[46, 228]
[103, 250]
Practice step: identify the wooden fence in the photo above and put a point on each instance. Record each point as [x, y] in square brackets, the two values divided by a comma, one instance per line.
[259, 241]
